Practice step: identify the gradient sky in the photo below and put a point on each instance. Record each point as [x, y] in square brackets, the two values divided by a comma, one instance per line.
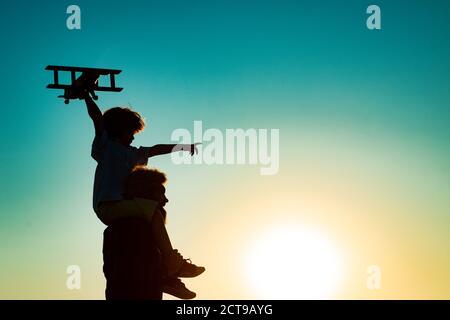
[364, 130]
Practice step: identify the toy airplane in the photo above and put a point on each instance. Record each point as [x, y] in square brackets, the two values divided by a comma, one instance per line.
[87, 82]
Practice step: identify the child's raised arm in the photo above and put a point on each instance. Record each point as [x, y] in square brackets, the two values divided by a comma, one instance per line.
[160, 149]
[95, 114]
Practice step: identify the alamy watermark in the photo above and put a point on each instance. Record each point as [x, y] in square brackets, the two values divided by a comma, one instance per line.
[73, 22]
[235, 146]
[373, 22]
[73, 281]
[374, 278]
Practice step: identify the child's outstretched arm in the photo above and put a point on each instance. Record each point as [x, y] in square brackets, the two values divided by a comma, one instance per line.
[95, 114]
[160, 149]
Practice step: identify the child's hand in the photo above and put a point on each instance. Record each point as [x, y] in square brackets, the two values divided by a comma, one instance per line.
[83, 95]
[193, 148]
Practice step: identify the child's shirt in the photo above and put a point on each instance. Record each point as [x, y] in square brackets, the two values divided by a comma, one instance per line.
[114, 163]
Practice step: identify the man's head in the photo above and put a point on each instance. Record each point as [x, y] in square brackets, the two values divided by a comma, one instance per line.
[122, 124]
[146, 183]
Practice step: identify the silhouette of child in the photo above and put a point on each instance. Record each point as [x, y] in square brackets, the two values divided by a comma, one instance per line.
[149, 184]
[114, 132]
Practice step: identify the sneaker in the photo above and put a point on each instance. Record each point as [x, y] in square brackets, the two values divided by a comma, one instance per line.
[189, 270]
[177, 288]
[174, 261]
[177, 266]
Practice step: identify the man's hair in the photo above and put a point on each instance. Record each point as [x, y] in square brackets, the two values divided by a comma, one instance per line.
[118, 121]
[143, 180]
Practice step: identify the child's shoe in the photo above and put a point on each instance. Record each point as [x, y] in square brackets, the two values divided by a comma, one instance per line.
[177, 288]
[180, 267]
[189, 270]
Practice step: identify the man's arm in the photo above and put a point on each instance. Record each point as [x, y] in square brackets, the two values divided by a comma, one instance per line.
[95, 114]
[160, 149]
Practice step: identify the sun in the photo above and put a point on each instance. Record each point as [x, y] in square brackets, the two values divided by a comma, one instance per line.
[293, 262]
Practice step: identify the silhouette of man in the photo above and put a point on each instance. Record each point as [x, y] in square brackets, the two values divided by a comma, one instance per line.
[132, 263]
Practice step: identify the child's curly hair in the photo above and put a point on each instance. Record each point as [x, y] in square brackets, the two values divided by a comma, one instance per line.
[144, 182]
[118, 121]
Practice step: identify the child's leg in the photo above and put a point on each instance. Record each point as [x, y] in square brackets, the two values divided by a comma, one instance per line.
[174, 261]
[110, 211]
[160, 234]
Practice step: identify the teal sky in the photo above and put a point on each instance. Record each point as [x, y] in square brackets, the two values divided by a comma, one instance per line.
[311, 69]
